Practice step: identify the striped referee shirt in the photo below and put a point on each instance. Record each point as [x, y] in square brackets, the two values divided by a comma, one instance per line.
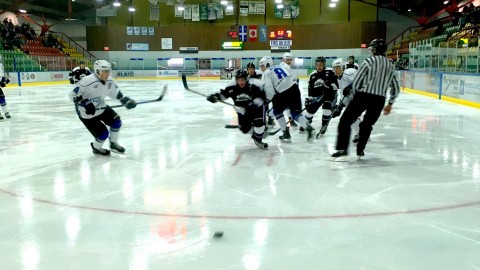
[376, 74]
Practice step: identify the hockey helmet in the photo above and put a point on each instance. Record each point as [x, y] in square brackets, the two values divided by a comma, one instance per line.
[321, 59]
[266, 61]
[81, 62]
[338, 63]
[241, 73]
[351, 57]
[378, 46]
[101, 65]
[251, 65]
[287, 55]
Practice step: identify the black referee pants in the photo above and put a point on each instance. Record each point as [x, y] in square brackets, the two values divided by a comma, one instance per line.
[361, 102]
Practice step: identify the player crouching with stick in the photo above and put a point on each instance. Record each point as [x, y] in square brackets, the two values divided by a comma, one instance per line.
[89, 98]
[249, 102]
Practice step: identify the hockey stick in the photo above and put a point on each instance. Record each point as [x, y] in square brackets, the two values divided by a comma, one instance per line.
[185, 85]
[164, 91]
[231, 126]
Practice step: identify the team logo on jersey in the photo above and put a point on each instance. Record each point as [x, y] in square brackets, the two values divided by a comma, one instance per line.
[319, 83]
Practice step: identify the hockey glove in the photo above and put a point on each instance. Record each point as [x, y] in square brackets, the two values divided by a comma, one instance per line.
[89, 106]
[7, 81]
[258, 102]
[128, 103]
[2, 84]
[213, 97]
[309, 101]
[71, 81]
[347, 91]
[338, 110]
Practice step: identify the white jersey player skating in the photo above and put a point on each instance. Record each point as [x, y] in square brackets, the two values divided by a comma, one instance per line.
[89, 98]
[281, 84]
[345, 81]
[3, 103]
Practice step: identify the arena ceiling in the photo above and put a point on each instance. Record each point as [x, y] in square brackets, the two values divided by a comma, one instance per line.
[80, 9]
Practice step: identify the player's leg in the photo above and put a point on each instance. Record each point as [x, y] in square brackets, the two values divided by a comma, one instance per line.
[100, 134]
[258, 117]
[374, 110]
[112, 119]
[354, 109]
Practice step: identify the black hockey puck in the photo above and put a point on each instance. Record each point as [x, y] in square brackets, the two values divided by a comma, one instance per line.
[218, 234]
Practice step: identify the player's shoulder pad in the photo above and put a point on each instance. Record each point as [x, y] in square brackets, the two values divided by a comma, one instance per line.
[350, 71]
[256, 82]
[313, 73]
[75, 68]
[329, 69]
[258, 72]
[86, 68]
[88, 80]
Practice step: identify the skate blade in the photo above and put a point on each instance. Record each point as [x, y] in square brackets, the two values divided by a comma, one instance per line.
[340, 159]
[286, 140]
[117, 152]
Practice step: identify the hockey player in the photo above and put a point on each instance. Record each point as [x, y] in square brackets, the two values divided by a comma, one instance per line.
[78, 73]
[345, 94]
[351, 63]
[3, 103]
[250, 99]
[280, 83]
[322, 92]
[287, 59]
[252, 73]
[370, 96]
[88, 96]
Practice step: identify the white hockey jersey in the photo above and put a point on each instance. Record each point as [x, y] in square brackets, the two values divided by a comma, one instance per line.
[286, 66]
[2, 71]
[277, 79]
[345, 80]
[93, 89]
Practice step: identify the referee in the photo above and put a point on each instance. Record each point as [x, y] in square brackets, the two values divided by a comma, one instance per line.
[371, 84]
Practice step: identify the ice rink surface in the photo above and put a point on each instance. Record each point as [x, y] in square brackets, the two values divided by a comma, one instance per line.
[412, 203]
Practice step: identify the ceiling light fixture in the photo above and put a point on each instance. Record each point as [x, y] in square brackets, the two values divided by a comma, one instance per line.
[116, 4]
[22, 11]
[446, 2]
[278, 1]
[230, 7]
[280, 6]
[181, 8]
[224, 2]
[332, 5]
[131, 9]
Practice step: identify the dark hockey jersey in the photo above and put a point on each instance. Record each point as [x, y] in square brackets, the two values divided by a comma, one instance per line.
[319, 82]
[77, 73]
[242, 96]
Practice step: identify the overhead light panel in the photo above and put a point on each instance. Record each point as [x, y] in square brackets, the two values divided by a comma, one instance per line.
[409, 10]
[280, 6]
[116, 4]
[131, 9]
[181, 8]
[278, 1]
[334, 1]
[446, 2]
[332, 5]
[223, 2]
[22, 11]
[230, 7]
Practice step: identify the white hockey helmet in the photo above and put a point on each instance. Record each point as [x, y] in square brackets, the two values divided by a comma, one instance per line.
[266, 61]
[339, 62]
[101, 65]
[287, 55]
